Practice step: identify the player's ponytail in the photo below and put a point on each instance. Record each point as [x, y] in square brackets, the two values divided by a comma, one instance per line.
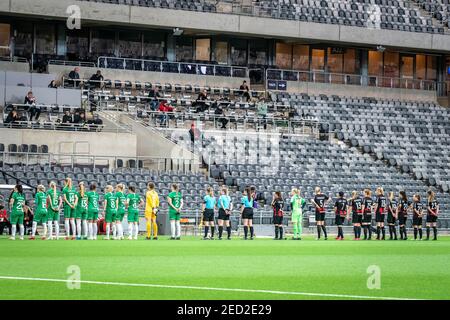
[248, 191]
[53, 187]
[40, 188]
[431, 195]
[391, 195]
[19, 188]
[81, 185]
[403, 196]
[354, 194]
[69, 182]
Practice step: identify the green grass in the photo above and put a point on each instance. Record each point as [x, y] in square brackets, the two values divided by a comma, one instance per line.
[409, 269]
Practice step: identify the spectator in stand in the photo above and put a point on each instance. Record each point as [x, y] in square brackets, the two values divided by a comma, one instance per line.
[33, 110]
[200, 103]
[77, 117]
[74, 77]
[96, 79]
[154, 94]
[195, 135]
[164, 108]
[262, 112]
[4, 222]
[222, 116]
[12, 117]
[67, 117]
[245, 91]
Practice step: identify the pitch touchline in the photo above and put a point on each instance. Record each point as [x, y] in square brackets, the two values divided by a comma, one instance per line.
[203, 288]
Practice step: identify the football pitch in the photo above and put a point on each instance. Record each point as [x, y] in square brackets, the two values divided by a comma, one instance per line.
[236, 269]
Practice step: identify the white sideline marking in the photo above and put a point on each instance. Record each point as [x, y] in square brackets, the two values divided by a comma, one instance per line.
[332, 295]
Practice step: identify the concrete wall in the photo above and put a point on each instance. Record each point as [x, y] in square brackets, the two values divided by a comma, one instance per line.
[359, 91]
[68, 142]
[14, 66]
[228, 23]
[152, 143]
[152, 77]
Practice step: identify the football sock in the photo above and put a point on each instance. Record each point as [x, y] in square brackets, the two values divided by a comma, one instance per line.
[91, 230]
[383, 233]
[72, 224]
[299, 227]
[212, 231]
[394, 231]
[355, 231]
[50, 228]
[94, 229]
[415, 233]
[67, 227]
[378, 232]
[318, 231]
[136, 230]
[78, 228]
[251, 232]
[84, 228]
[405, 234]
[245, 231]
[206, 231]
[295, 230]
[21, 230]
[324, 231]
[155, 229]
[428, 233]
[178, 229]
[276, 232]
[57, 229]
[130, 229]
[420, 233]
[229, 231]
[108, 229]
[435, 232]
[44, 225]
[33, 229]
[365, 232]
[220, 231]
[13, 231]
[281, 232]
[172, 228]
[149, 229]
[370, 231]
[391, 233]
[114, 230]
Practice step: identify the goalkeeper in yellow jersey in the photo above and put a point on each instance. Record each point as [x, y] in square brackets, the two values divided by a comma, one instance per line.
[151, 210]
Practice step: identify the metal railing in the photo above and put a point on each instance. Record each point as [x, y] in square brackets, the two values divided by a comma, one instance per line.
[195, 68]
[13, 59]
[353, 79]
[72, 63]
[102, 161]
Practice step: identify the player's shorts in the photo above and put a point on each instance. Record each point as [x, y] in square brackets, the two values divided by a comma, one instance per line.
[110, 216]
[92, 215]
[81, 213]
[40, 217]
[208, 215]
[391, 219]
[402, 220]
[367, 218]
[69, 212]
[247, 213]
[149, 215]
[339, 220]
[174, 216]
[431, 218]
[379, 217]
[16, 218]
[320, 216]
[277, 219]
[52, 215]
[223, 215]
[119, 215]
[133, 216]
[357, 218]
[296, 217]
[417, 221]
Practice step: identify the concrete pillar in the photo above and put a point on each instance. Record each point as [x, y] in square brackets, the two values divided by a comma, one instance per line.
[171, 55]
[364, 66]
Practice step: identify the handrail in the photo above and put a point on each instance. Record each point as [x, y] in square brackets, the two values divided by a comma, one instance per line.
[13, 59]
[72, 63]
[174, 67]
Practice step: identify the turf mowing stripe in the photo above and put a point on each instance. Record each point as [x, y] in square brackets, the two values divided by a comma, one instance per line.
[331, 295]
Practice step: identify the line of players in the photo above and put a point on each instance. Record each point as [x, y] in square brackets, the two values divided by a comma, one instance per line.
[81, 212]
[388, 210]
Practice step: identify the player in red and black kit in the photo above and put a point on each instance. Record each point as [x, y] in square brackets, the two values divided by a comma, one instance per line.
[417, 216]
[340, 209]
[432, 214]
[356, 204]
[319, 202]
[380, 212]
[392, 216]
[278, 205]
[402, 214]
[367, 208]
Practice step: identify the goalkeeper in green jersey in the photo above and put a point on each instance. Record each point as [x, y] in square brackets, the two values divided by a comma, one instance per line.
[297, 205]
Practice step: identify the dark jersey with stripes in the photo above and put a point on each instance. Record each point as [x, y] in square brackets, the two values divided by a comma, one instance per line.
[368, 202]
[432, 205]
[381, 204]
[320, 199]
[356, 205]
[278, 206]
[403, 207]
[392, 206]
[341, 206]
[417, 206]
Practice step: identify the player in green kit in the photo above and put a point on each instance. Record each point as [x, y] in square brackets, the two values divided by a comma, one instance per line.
[92, 211]
[297, 205]
[54, 205]
[111, 203]
[134, 201]
[122, 201]
[16, 203]
[40, 212]
[82, 212]
[70, 203]
[175, 201]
